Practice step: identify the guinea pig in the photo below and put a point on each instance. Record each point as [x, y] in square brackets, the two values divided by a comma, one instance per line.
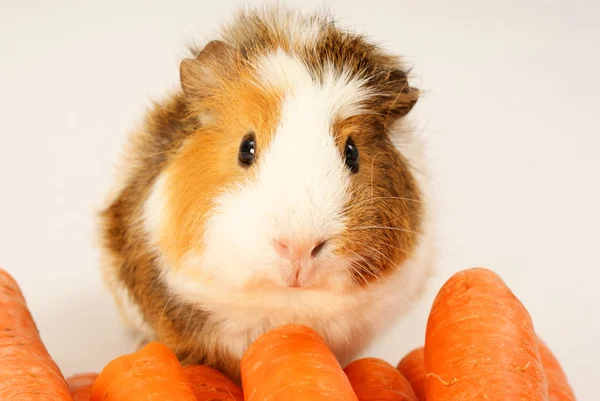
[281, 183]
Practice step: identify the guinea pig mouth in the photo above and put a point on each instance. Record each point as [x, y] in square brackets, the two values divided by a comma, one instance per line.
[294, 281]
[298, 276]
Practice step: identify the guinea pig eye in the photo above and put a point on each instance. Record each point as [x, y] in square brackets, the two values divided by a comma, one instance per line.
[247, 150]
[351, 154]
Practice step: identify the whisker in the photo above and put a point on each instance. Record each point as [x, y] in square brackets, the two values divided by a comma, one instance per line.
[400, 217]
[388, 245]
[155, 154]
[400, 94]
[372, 163]
[373, 249]
[187, 326]
[360, 257]
[384, 228]
[419, 131]
[179, 311]
[165, 308]
[399, 198]
[356, 268]
[351, 206]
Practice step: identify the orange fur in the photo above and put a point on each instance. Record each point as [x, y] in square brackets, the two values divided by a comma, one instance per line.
[207, 163]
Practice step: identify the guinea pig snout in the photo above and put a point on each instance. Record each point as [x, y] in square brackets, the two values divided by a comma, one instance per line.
[297, 250]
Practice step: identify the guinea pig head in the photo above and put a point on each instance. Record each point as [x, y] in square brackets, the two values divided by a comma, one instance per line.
[291, 181]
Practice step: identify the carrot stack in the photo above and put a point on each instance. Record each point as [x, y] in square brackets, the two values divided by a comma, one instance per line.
[480, 344]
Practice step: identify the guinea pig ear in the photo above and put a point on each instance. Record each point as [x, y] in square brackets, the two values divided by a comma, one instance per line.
[199, 75]
[403, 98]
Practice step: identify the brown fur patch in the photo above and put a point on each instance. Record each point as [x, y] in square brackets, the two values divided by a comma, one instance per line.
[385, 211]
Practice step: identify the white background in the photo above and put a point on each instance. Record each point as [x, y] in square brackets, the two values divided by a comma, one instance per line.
[510, 113]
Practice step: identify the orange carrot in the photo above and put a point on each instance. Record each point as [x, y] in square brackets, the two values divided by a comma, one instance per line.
[153, 372]
[480, 343]
[81, 385]
[212, 385]
[293, 363]
[412, 366]
[27, 371]
[376, 380]
[559, 388]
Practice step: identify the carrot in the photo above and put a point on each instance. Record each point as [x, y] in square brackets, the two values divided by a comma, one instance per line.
[81, 385]
[27, 371]
[376, 380]
[412, 366]
[212, 385]
[151, 373]
[293, 363]
[559, 388]
[480, 343]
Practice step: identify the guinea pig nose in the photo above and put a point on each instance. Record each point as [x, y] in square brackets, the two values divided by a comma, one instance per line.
[298, 250]
[317, 248]
[283, 248]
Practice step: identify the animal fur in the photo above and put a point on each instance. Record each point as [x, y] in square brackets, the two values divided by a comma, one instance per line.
[186, 231]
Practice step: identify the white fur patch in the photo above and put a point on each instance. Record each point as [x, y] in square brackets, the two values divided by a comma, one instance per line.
[339, 95]
[300, 192]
